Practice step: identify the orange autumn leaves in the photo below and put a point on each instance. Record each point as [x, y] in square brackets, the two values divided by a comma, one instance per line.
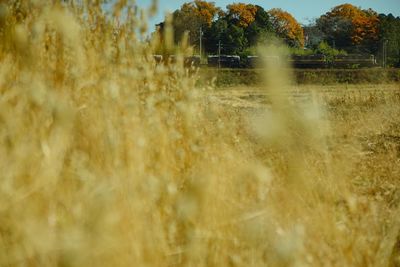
[286, 27]
[206, 11]
[244, 13]
[345, 24]
[198, 13]
[284, 24]
[364, 23]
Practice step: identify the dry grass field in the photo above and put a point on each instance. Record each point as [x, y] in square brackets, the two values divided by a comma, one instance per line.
[108, 159]
[344, 141]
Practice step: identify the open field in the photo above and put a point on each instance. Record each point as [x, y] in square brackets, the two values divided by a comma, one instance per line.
[258, 96]
[363, 145]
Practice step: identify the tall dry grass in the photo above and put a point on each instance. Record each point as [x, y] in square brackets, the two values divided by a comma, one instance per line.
[108, 159]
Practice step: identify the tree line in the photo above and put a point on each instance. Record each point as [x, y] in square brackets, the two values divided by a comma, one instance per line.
[241, 27]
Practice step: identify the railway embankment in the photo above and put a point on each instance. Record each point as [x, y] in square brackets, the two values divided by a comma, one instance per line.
[231, 77]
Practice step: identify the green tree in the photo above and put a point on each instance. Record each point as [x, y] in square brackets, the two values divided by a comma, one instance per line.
[193, 16]
[215, 34]
[313, 36]
[241, 27]
[260, 29]
[389, 35]
[325, 49]
[231, 37]
[234, 41]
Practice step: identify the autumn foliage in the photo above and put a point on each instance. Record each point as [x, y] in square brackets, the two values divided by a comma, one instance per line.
[362, 24]
[205, 11]
[244, 13]
[240, 27]
[192, 17]
[286, 27]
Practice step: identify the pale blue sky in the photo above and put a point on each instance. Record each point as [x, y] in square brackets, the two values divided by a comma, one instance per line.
[302, 10]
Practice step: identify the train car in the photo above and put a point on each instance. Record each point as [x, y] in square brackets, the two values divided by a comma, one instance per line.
[354, 61]
[308, 61]
[213, 61]
[260, 62]
[193, 61]
[317, 61]
[224, 61]
[253, 62]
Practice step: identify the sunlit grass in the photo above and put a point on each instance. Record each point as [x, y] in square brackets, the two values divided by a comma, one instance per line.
[108, 159]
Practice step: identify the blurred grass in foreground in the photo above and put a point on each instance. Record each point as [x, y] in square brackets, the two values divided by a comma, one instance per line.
[108, 159]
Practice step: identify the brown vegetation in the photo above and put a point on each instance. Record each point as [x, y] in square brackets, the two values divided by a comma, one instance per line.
[108, 159]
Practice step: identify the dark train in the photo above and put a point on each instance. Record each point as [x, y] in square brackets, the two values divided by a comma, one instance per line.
[224, 61]
[301, 62]
[308, 62]
[319, 61]
[192, 61]
[259, 62]
[354, 61]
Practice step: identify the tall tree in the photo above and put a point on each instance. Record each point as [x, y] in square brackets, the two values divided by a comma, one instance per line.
[191, 17]
[241, 26]
[389, 35]
[286, 27]
[260, 29]
[215, 35]
[242, 14]
[231, 37]
[350, 27]
[313, 36]
[234, 41]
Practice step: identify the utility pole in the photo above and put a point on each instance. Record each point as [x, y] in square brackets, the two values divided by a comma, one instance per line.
[201, 41]
[385, 41]
[219, 54]
[383, 53]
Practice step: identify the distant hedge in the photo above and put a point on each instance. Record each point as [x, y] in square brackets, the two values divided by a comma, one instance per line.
[231, 77]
